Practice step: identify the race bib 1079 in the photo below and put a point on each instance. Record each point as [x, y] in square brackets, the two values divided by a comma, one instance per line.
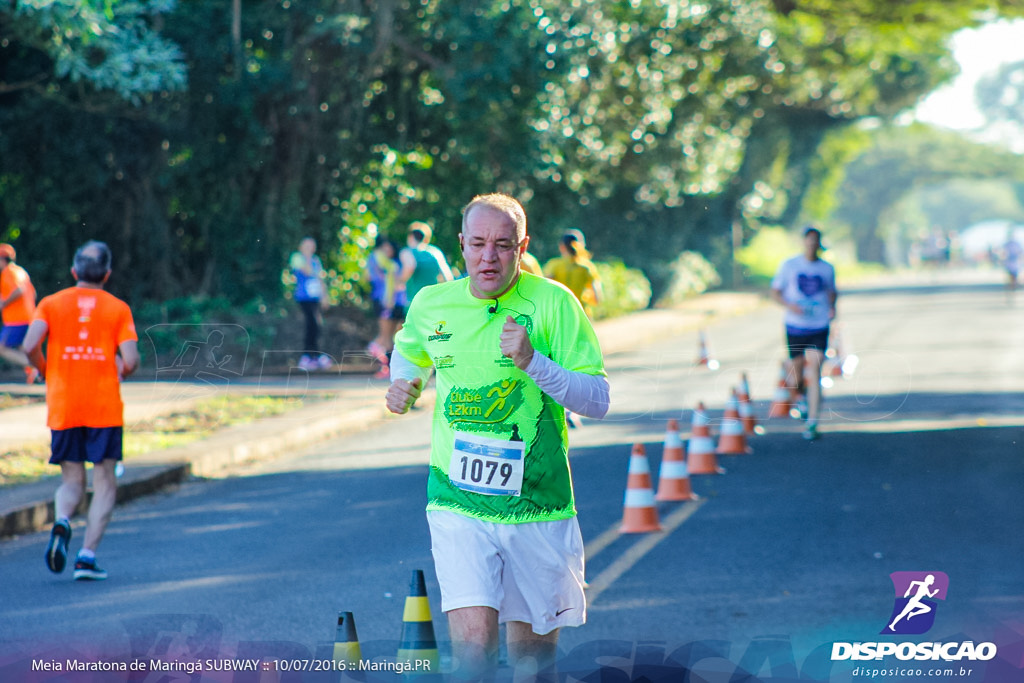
[489, 466]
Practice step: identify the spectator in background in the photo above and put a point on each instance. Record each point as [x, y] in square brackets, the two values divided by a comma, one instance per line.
[311, 295]
[1011, 260]
[85, 412]
[388, 297]
[423, 264]
[17, 304]
[529, 264]
[575, 270]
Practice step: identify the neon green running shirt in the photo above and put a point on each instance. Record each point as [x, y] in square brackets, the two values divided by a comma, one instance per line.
[482, 397]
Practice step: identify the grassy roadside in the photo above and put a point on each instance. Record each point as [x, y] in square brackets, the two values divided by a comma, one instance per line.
[166, 431]
[16, 400]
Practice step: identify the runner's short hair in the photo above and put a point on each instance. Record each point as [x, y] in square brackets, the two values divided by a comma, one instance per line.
[420, 231]
[92, 262]
[501, 203]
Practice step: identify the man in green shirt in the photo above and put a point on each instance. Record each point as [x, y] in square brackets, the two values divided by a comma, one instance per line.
[423, 264]
[512, 351]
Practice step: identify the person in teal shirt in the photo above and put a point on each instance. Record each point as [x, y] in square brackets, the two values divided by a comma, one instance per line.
[311, 295]
[511, 351]
[423, 264]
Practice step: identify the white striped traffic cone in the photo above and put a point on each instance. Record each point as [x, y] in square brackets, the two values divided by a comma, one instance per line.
[700, 451]
[746, 408]
[732, 440]
[639, 515]
[674, 478]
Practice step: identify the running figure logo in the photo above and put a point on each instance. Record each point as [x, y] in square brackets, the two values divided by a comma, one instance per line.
[914, 610]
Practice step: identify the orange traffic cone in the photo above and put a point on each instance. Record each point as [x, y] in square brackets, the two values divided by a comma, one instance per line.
[746, 408]
[782, 401]
[674, 478]
[732, 440]
[700, 457]
[703, 355]
[639, 514]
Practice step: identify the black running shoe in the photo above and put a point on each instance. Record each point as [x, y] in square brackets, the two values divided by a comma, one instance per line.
[87, 570]
[57, 550]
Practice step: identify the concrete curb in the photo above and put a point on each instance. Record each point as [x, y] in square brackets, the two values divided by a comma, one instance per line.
[210, 457]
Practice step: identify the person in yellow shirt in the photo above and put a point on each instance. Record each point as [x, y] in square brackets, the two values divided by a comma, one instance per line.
[529, 263]
[575, 270]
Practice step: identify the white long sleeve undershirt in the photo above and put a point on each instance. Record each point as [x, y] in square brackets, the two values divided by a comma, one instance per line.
[578, 392]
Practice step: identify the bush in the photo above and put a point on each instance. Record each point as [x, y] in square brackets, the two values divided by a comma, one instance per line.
[762, 256]
[213, 340]
[625, 290]
[688, 275]
[167, 331]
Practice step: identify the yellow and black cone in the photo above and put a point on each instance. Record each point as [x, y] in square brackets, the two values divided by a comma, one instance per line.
[419, 645]
[346, 642]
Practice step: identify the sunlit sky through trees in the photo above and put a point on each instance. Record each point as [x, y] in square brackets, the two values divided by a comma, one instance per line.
[979, 52]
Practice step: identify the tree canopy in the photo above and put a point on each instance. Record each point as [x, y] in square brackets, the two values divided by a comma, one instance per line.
[202, 140]
[900, 162]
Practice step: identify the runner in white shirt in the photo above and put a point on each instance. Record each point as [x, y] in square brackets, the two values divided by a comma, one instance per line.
[806, 286]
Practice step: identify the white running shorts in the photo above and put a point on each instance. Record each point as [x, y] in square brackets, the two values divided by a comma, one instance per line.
[531, 572]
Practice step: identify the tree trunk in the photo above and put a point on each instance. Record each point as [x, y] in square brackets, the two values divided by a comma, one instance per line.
[236, 36]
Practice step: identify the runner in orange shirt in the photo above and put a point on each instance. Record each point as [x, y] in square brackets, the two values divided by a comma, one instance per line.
[91, 347]
[17, 304]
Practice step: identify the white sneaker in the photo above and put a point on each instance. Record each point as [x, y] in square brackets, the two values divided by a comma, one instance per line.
[307, 363]
[324, 361]
[800, 409]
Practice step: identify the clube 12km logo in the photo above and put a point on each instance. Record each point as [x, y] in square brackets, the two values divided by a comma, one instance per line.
[916, 605]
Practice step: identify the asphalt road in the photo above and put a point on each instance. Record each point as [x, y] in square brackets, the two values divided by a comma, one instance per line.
[919, 469]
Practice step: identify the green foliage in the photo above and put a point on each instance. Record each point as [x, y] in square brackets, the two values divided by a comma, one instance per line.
[1000, 95]
[165, 327]
[772, 245]
[691, 274]
[29, 463]
[657, 126]
[624, 290]
[110, 46]
[837, 150]
[898, 161]
[384, 202]
[762, 256]
[956, 204]
[944, 208]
